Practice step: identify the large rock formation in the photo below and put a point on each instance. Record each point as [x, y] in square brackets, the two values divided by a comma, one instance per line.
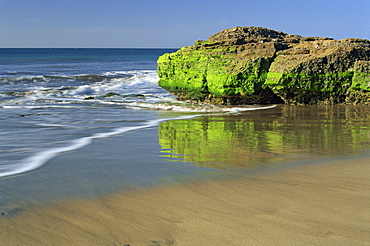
[245, 65]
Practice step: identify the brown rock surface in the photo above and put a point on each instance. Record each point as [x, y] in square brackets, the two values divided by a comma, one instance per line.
[238, 65]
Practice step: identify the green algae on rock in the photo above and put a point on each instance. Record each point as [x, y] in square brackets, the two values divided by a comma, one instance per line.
[247, 65]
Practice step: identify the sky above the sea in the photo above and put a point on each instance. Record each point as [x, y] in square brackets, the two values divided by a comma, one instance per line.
[169, 23]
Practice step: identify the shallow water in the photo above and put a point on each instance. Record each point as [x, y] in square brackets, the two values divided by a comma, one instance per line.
[268, 137]
[195, 149]
[58, 100]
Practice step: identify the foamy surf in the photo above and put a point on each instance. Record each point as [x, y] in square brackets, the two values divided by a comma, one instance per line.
[119, 86]
[197, 108]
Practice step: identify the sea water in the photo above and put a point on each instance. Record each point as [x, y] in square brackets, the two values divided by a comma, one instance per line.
[87, 122]
[58, 100]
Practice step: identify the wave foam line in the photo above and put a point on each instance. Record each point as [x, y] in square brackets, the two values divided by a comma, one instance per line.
[191, 108]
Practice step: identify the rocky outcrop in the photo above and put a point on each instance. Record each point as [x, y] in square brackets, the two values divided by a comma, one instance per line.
[246, 65]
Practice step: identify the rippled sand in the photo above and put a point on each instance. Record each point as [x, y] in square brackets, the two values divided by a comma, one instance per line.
[325, 204]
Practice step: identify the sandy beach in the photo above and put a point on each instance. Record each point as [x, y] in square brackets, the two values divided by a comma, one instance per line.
[324, 204]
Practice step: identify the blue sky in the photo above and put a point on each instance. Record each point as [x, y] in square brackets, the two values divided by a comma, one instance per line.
[170, 23]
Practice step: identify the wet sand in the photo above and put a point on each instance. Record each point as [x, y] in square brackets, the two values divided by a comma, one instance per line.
[326, 204]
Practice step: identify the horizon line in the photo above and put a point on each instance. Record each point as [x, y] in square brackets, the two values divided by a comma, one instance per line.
[90, 47]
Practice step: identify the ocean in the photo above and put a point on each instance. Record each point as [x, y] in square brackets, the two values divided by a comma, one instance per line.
[87, 122]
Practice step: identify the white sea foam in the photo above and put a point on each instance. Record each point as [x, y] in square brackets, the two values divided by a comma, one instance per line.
[130, 73]
[58, 126]
[122, 83]
[137, 82]
[178, 107]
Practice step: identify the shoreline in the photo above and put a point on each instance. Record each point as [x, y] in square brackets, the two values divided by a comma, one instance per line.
[322, 204]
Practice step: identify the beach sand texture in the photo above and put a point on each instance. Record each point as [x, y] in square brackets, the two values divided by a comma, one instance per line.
[325, 204]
